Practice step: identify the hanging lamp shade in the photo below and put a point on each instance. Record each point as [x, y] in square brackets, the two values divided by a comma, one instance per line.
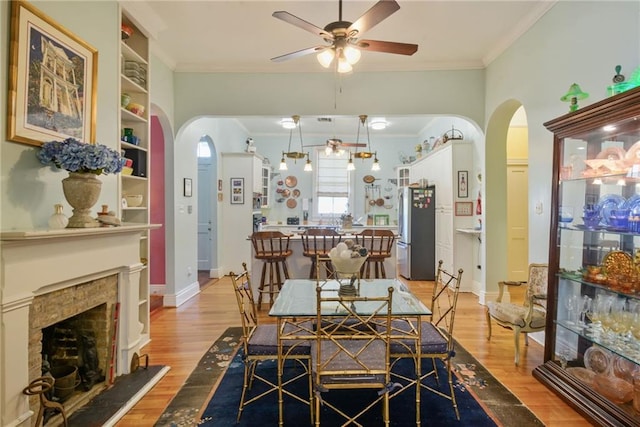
[573, 95]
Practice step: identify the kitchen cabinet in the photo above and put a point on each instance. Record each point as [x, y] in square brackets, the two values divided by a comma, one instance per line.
[265, 183]
[403, 176]
[592, 335]
[135, 145]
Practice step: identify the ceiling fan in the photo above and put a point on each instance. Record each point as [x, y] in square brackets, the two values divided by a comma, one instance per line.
[334, 145]
[342, 37]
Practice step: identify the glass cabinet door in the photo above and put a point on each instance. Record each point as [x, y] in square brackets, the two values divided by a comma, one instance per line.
[592, 341]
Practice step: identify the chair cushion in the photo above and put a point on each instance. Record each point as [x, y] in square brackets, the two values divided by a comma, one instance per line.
[264, 342]
[515, 314]
[432, 340]
[374, 356]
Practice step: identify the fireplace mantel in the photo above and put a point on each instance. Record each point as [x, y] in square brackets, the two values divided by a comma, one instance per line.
[36, 262]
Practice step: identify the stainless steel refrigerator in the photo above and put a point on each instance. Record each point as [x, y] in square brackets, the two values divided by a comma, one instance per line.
[416, 248]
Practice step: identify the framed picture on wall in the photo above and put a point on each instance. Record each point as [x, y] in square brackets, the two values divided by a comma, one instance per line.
[463, 184]
[237, 191]
[52, 80]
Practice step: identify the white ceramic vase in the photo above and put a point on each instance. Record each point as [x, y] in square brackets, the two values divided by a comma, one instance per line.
[82, 191]
[58, 220]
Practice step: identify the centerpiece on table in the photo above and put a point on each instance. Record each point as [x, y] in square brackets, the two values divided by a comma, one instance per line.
[347, 259]
[84, 162]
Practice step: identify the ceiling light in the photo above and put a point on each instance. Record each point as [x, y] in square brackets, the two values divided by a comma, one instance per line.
[376, 164]
[609, 128]
[378, 124]
[365, 154]
[295, 155]
[350, 165]
[288, 123]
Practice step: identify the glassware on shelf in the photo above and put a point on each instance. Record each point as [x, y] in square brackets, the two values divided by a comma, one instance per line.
[565, 216]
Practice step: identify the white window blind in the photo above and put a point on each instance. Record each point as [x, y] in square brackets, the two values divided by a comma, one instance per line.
[332, 177]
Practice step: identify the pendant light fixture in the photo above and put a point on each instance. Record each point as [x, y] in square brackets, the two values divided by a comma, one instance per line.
[362, 123]
[295, 155]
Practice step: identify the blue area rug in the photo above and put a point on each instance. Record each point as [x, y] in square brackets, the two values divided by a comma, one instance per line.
[222, 410]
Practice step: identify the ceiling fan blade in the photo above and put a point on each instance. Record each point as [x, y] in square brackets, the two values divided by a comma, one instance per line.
[387, 47]
[298, 53]
[301, 23]
[372, 17]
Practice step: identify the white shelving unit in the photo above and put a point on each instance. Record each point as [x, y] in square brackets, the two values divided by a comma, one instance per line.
[134, 78]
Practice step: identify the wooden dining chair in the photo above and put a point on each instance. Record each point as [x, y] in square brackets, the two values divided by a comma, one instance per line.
[351, 351]
[437, 343]
[379, 244]
[318, 242]
[260, 343]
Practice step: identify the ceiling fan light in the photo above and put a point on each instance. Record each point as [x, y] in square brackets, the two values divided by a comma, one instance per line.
[351, 54]
[326, 57]
[344, 66]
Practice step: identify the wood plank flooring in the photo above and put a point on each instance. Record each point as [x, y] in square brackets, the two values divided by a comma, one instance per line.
[180, 336]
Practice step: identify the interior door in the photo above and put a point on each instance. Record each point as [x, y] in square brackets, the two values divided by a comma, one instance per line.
[517, 222]
[205, 221]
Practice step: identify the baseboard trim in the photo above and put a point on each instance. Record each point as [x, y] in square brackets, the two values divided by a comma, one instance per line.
[175, 300]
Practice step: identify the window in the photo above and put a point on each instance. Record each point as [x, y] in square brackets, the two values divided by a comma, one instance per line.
[204, 151]
[332, 185]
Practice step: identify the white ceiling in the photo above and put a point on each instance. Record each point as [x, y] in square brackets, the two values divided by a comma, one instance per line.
[242, 36]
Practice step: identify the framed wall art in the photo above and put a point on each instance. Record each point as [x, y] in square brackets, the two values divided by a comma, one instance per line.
[237, 191]
[188, 187]
[52, 80]
[463, 184]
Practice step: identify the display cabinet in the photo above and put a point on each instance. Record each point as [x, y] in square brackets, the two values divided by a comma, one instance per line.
[592, 335]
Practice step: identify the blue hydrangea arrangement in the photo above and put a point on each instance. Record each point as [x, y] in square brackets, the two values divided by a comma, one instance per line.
[75, 156]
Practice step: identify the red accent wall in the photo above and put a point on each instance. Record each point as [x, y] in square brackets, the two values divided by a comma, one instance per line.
[157, 262]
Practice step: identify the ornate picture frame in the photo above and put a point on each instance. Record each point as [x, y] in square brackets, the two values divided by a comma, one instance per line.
[52, 80]
[237, 191]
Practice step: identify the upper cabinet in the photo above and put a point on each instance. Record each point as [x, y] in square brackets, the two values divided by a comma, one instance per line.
[592, 336]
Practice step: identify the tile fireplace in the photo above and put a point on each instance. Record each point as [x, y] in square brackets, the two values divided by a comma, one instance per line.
[54, 281]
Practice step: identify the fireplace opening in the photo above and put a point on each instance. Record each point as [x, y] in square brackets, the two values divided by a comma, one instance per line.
[70, 352]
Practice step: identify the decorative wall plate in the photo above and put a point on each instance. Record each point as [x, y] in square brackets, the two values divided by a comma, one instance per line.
[286, 193]
[295, 194]
[291, 181]
[369, 179]
[292, 203]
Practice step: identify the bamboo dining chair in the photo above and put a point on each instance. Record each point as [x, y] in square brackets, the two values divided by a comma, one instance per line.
[351, 351]
[437, 343]
[260, 343]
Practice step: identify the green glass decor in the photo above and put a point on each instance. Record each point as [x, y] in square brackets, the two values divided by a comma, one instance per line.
[573, 95]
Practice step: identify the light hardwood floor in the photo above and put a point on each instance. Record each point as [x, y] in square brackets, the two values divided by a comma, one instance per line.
[180, 336]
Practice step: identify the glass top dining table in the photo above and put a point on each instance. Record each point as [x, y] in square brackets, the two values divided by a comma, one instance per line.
[298, 298]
